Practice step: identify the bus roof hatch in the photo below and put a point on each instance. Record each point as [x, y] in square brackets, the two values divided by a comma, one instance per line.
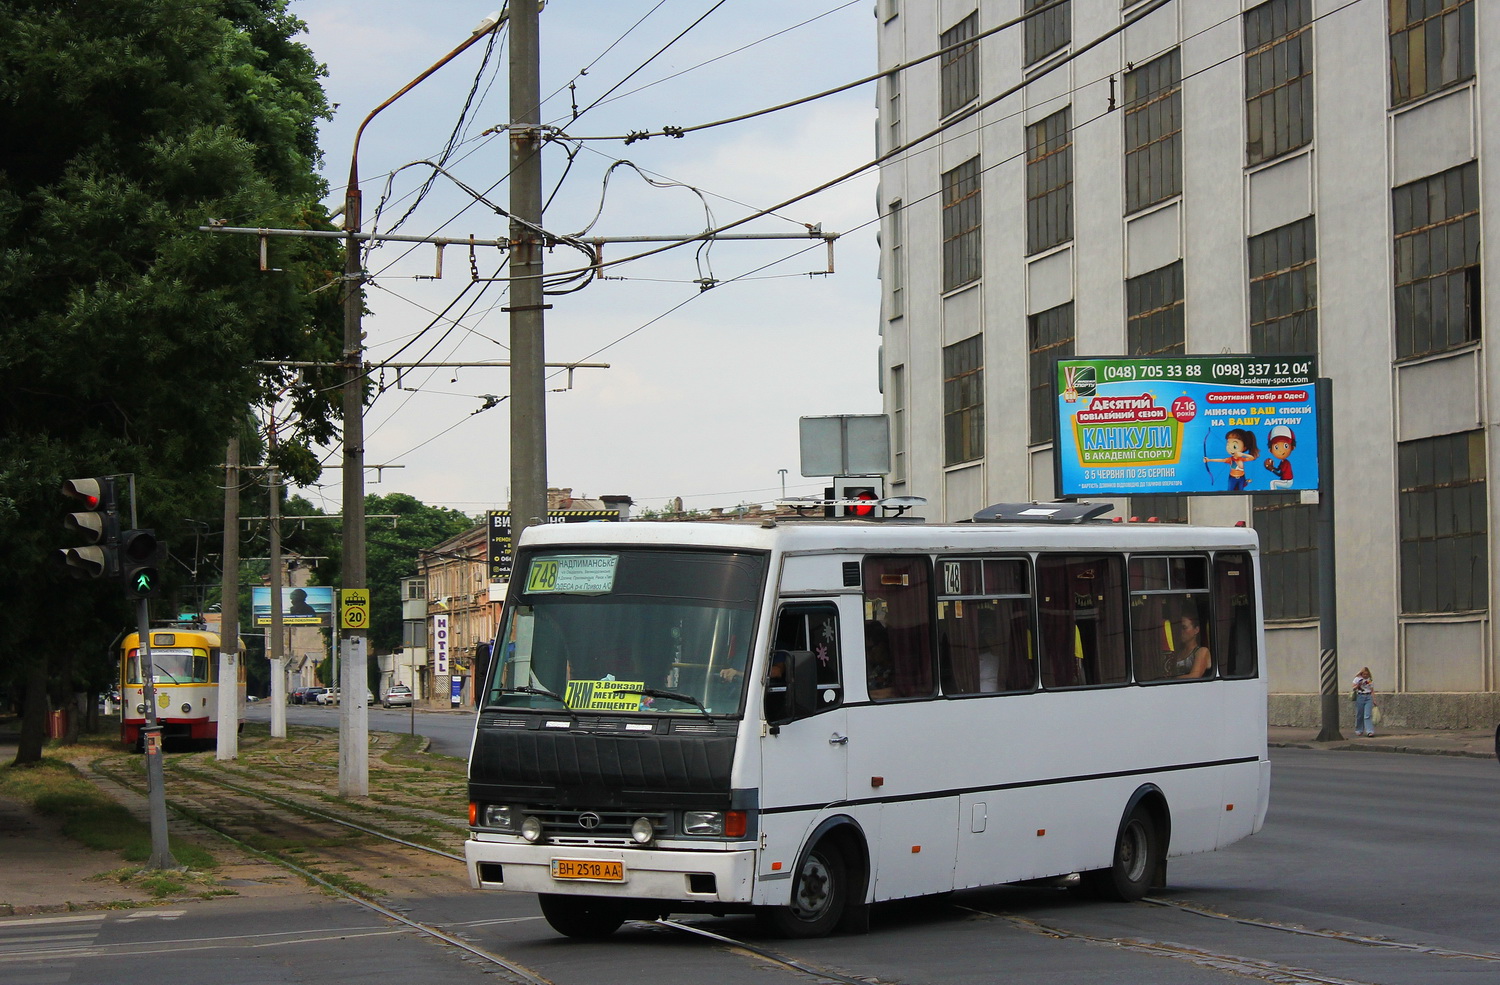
[1042, 512]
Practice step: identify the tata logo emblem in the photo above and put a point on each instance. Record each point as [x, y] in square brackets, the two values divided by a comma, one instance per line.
[589, 820]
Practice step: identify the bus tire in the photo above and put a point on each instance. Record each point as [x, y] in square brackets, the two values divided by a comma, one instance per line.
[820, 894]
[583, 917]
[1138, 853]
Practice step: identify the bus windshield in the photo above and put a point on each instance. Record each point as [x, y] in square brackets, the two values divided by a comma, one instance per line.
[181, 665]
[629, 631]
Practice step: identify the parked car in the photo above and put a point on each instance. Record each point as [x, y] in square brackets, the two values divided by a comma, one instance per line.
[396, 695]
[307, 695]
[330, 696]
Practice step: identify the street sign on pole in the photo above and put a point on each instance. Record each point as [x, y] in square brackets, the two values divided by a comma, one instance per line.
[354, 608]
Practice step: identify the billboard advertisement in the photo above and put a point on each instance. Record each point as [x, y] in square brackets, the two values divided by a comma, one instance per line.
[1186, 425]
[499, 538]
[310, 605]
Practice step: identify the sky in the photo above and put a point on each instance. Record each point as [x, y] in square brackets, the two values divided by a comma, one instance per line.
[704, 388]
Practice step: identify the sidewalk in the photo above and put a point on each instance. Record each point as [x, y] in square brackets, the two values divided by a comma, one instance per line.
[1473, 743]
[43, 872]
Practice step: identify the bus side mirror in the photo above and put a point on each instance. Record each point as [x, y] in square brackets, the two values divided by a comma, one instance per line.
[802, 683]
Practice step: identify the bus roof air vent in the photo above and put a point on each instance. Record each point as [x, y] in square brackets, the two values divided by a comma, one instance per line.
[1042, 512]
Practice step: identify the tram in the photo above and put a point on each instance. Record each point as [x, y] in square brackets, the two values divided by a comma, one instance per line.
[185, 674]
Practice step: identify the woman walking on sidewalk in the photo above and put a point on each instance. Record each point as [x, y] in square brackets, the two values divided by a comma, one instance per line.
[1364, 703]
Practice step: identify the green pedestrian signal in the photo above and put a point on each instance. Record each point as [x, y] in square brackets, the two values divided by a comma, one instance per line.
[138, 555]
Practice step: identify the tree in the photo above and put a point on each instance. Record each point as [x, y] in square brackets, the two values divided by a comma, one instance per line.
[129, 339]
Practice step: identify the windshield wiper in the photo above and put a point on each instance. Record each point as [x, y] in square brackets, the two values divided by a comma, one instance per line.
[524, 689]
[158, 670]
[654, 692]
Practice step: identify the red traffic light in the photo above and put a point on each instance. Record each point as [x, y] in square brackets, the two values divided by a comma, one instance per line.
[90, 491]
[98, 522]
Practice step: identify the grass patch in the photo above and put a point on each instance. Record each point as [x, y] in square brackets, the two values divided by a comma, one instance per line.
[87, 815]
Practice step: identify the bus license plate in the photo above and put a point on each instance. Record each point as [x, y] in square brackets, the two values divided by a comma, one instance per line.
[575, 868]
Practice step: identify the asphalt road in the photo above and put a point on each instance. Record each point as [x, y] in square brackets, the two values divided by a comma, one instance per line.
[451, 732]
[1374, 869]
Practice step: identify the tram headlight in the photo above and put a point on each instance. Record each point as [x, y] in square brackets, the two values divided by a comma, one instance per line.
[642, 831]
[502, 817]
[531, 828]
[140, 709]
[187, 707]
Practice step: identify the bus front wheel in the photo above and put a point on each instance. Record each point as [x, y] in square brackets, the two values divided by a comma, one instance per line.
[583, 917]
[819, 896]
[1138, 852]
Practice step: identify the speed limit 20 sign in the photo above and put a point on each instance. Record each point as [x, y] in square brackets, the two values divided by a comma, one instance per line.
[354, 608]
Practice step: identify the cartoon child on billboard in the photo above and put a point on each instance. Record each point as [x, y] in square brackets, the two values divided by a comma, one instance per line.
[1280, 443]
[1239, 448]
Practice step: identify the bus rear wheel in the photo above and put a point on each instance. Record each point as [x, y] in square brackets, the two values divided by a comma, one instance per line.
[1138, 852]
[583, 917]
[819, 897]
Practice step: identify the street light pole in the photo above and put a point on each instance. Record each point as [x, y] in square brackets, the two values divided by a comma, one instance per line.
[354, 760]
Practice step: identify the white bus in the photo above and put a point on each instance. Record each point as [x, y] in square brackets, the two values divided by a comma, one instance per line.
[802, 718]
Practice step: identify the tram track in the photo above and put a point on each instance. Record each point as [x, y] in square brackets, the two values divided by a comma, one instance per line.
[198, 793]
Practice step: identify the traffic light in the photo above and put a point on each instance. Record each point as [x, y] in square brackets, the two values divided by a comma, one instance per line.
[842, 491]
[99, 523]
[138, 553]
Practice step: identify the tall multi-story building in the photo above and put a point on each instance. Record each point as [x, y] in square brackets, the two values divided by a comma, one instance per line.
[1102, 177]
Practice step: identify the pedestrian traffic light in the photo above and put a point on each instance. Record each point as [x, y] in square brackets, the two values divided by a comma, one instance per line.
[138, 553]
[99, 523]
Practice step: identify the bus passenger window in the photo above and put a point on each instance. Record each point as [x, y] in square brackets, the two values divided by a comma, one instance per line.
[1170, 630]
[1234, 615]
[1083, 621]
[898, 598]
[984, 626]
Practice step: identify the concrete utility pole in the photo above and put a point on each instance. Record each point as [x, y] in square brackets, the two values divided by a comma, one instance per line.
[276, 642]
[354, 780]
[528, 396]
[229, 612]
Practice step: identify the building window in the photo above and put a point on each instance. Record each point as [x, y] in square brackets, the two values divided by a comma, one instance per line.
[1444, 555]
[1278, 78]
[1288, 530]
[1049, 30]
[960, 67]
[1437, 261]
[1051, 339]
[897, 272]
[1049, 181]
[963, 400]
[898, 423]
[1153, 132]
[1162, 508]
[893, 112]
[1284, 289]
[1154, 323]
[961, 237]
[1432, 46]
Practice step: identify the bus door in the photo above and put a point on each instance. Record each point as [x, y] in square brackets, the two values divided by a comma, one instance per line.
[804, 755]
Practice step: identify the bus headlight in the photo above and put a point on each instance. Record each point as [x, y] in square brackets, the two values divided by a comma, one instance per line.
[727, 824]
[642, 831]
[500, 816]
[531, 828]
[703, 822]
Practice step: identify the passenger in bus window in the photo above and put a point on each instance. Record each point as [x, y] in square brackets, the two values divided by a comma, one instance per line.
[1191, 658]
[880, 671]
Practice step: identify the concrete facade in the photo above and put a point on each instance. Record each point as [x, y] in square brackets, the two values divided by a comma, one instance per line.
[1440, 664]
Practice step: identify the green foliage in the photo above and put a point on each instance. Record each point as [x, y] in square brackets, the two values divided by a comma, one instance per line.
[129, 339]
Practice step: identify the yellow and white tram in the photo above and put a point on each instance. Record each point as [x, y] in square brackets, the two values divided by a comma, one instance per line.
[185, 675]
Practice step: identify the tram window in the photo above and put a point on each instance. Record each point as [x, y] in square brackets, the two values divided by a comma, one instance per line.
[1234, 615]
[1081, 601]
[898, 627]
[984, 637]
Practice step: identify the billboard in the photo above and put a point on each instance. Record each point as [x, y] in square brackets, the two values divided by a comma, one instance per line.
[1186, 425]
[310, 605]
[499, 539]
